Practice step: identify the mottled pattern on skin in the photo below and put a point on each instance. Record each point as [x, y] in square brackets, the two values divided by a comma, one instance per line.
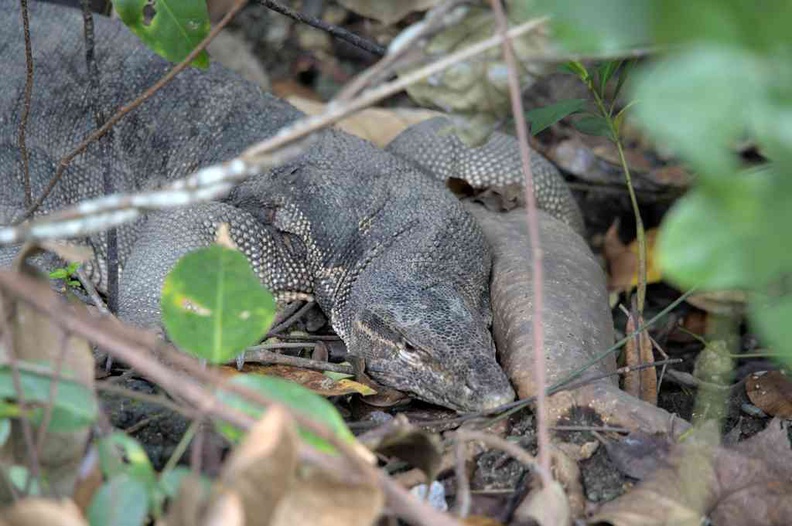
[401, 269]
[434, 147]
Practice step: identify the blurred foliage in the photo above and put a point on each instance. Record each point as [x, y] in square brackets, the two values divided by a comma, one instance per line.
[723, 75]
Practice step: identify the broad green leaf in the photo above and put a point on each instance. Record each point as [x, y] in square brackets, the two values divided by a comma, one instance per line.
[214, 306]
[593, 125]
[296, 397]
[600, 25]
[575, 68]
[699, 103]
[771, 315]
[121, 454]
[177, 27]
[74, 406]
[542, 118]
[728, 235]
[121, 501]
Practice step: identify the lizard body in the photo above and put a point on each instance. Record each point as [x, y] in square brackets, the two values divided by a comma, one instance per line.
[398, 265]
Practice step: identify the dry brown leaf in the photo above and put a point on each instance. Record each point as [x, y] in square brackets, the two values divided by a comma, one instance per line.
[387, 12]
[623, 261]
[771, 392]
[313, 380]
[228, 510]
[478, 520]
[639, 454]
[400, 439]
[189, 505]
[567, 473]
[641, 383]
[261, 470]
[726, 302]
[547, 506]
[322, 499]
[378, 125]
[89, 480]
[35, 512]
[37, 339]
[746, 485]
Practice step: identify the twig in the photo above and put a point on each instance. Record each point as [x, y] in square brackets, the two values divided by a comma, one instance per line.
[496, 442]
[26, 104]
[126, 344]
[291, 318]
[215, 181]
[463, 500]
[337, 32]
[121, 113]
[27, 429]
[257, 354]
[537, 328]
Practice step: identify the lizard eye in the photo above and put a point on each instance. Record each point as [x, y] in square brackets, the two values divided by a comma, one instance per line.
[409, 348]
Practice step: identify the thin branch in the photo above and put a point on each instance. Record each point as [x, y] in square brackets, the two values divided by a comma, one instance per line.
[217, 180]
[27, 429]
[126, 344]
[537, 327]
[121, 113]
[26, 104]
[337, 32]
[259, 355]
[463, 500]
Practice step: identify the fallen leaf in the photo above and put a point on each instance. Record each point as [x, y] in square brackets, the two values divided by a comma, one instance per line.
[638, 351]
[314, 380]
[377, 125]
[547, 506]
[398, 438]
[188, 508]
[326, 499]
[623, 260]
[746, 485]
[387, 12]
[260, 471]
[38, 340]
[34, 512]
[638, 454]
[771, 392]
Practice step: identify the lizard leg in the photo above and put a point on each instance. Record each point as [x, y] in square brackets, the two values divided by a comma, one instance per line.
[168, 235]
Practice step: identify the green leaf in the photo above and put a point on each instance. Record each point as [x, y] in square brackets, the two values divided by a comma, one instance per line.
[593, 125]
[74, 406]
[18, 475]
[770, 314]
[726, 233]
[600, 25]
[542, 118]
[121, 501]
[699, 103]
[177, 27]
[604, 73]
[121, 454]
[59, 273]
[214, 306]
[575, 68]
[294, 396]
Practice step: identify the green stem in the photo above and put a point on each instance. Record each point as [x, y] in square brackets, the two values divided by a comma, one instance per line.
[639, 226]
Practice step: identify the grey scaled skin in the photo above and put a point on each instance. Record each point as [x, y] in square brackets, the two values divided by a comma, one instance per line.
[399, 267]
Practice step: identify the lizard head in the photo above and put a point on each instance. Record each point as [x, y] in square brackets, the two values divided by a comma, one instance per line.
[430, 343]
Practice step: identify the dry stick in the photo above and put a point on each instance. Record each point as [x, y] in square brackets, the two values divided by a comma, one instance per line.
[110, 212]
[268, 357]
[539, 373]
[463, 500]
[123, 111]
[26, 106]
[125, 344]
[338, 32]
[389, 62]
[63, 338]
[159, 400]
[27, 429]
